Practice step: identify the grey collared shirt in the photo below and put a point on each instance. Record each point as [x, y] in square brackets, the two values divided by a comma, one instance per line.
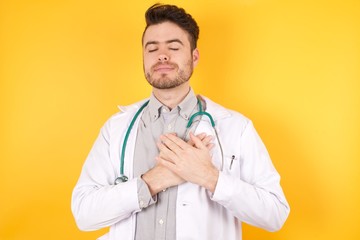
[157, 219]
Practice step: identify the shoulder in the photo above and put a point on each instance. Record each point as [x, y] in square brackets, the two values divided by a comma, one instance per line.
[228, 121]
[221, 113]
[125, 114]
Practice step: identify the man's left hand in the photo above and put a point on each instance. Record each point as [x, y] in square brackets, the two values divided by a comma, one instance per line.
[191, 161]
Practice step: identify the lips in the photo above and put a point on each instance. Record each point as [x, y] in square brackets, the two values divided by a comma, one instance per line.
[164, 67]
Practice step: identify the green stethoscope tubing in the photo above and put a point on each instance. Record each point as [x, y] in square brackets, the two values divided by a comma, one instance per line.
[200, 112]
[122, 177]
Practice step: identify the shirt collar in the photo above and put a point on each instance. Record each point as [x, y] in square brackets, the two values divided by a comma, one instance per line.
[154, 107]
[186, 107]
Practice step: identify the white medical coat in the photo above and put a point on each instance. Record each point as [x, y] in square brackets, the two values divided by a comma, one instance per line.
[248, 189]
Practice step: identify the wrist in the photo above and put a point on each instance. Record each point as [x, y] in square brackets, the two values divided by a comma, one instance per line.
[211, 180]
[153, 185]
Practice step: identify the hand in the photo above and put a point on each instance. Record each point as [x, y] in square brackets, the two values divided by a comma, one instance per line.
[205, 139]
[159, 178]
[191, 163]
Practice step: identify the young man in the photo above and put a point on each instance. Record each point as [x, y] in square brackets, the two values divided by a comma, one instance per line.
[179, 172]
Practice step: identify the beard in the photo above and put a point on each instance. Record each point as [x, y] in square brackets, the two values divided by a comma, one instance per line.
[164, 81]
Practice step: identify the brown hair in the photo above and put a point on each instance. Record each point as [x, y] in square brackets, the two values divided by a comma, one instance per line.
[159, 13]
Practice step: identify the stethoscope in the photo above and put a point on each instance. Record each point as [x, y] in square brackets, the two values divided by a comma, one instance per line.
[201, 112]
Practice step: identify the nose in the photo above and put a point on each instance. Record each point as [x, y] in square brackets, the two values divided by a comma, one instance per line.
[163, 58]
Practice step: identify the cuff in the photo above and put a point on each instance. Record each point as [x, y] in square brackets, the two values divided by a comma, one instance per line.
[144, 195]
[224, 189]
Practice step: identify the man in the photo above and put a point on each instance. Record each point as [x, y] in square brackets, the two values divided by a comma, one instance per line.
[176, 175]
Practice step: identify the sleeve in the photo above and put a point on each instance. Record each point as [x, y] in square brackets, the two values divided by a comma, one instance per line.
[256, 197]
[144, 195]
[96, 201]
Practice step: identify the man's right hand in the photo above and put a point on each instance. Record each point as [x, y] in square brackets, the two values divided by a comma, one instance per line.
[160, 178]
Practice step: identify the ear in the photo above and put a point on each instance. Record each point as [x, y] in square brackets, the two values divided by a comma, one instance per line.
[196, 56]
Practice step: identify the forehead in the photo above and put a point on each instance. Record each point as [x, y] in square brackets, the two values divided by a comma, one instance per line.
[164, 32]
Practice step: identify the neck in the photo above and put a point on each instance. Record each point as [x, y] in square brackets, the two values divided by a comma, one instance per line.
[172, 97]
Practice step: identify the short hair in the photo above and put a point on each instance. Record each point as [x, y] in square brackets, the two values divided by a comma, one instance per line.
[159, 13]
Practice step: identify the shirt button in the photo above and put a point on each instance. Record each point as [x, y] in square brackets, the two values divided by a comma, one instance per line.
[141, 203]
[161, 222]
[169, 126]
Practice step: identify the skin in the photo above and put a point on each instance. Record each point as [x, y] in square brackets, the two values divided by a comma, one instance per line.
[168, 62]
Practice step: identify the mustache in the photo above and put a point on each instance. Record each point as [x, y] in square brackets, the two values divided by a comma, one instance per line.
[174, 65]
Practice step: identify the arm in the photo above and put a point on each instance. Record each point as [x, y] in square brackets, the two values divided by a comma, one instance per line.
[256, 197]
[192, 162]
[161, 177]
[96, 201]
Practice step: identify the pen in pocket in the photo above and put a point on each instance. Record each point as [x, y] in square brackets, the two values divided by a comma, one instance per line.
[232, 161]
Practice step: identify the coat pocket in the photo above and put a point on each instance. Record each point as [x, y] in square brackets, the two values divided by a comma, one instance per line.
[232, 164]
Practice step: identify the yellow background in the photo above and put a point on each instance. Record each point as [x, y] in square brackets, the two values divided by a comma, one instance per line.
[290, 66]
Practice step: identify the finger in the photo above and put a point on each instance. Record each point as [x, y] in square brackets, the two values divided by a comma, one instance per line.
[190, 142]
[165, 140]
[166, 153]
[198, 143]
[210, 146]
[208, 139]
[169, 165]
[163, 161]
[173, 142]
[201, 136]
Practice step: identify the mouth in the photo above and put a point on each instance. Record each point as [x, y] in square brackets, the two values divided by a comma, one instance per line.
[163, 68]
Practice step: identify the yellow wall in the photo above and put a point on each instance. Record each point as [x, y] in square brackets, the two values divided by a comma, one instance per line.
[290, 66]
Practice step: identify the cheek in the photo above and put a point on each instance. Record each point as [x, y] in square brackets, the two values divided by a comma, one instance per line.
[147, 62]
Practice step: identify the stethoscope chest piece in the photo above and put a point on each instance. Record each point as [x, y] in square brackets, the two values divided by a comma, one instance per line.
[120, 179]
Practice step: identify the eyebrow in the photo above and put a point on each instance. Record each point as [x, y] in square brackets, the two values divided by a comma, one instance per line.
[167, 42]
